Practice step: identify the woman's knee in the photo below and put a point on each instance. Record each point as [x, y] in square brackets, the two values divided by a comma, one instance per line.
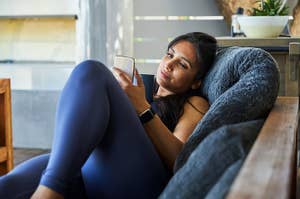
[90, 69]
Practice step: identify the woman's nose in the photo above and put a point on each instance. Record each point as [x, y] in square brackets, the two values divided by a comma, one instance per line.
[169, 65]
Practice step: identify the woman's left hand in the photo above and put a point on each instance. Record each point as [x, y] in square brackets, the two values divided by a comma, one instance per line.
[136, 93]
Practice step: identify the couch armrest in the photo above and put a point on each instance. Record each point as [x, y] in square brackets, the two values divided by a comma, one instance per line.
[269, 170]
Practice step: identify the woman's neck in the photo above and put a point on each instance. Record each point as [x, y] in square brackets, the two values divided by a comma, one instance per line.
[162, 92]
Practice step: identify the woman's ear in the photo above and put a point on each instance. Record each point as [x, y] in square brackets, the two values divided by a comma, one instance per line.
[196, 84]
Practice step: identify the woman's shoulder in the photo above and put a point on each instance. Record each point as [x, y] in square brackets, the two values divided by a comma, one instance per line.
[199, 103]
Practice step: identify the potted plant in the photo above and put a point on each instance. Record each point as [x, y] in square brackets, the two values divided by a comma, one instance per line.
[268, 20]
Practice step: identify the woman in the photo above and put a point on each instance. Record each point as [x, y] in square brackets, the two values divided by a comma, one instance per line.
[101, 149]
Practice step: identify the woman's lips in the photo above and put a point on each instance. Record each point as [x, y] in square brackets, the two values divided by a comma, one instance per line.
[164, 75]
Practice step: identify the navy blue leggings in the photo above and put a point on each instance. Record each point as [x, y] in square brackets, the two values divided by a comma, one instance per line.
[100, 148]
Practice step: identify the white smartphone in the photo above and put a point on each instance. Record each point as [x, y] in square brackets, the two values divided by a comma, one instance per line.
[125, 63]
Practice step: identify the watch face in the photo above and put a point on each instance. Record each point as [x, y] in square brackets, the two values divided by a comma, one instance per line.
[147, 115]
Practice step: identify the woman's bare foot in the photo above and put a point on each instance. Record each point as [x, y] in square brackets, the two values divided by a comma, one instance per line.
[44, 192]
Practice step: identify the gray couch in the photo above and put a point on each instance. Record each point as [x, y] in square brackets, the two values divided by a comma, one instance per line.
[241, 88]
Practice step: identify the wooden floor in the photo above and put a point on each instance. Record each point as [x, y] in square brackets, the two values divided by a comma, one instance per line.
[22, 154]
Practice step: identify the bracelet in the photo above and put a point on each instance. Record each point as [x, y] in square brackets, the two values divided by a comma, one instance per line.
[146, 115]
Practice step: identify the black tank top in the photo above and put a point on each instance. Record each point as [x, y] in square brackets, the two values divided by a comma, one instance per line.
[169, 124]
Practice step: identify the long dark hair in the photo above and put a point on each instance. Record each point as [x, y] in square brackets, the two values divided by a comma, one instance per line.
[171, 107]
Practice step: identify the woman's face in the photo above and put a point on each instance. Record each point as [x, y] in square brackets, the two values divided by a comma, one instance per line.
[177, 69]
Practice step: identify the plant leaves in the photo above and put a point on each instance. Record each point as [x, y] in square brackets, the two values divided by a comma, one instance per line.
[270, 8]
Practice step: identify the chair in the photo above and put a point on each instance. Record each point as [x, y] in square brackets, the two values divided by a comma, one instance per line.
[6, 148]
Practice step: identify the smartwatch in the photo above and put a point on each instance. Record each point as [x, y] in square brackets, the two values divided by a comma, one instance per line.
[146, 115]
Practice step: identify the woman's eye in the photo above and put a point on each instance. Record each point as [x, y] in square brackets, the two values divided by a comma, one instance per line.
[183, 65]
[169, 55]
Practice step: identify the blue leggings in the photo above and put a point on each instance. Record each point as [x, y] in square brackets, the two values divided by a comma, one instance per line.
[100, 148]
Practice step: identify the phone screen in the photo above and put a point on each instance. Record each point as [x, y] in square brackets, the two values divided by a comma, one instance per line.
[125, 63]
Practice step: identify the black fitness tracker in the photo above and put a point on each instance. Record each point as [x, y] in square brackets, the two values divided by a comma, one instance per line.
[146, 115]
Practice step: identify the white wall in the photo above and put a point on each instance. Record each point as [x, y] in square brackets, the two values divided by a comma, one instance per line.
[38, 7]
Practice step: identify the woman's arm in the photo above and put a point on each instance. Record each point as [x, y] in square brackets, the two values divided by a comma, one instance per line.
[167, 144]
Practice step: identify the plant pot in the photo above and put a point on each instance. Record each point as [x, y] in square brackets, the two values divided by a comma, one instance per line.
[262, 26]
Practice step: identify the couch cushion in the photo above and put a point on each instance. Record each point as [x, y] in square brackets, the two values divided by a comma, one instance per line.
[242, 85]
[213, 165]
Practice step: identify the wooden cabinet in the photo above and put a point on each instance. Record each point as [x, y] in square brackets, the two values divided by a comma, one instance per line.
[285, 50]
